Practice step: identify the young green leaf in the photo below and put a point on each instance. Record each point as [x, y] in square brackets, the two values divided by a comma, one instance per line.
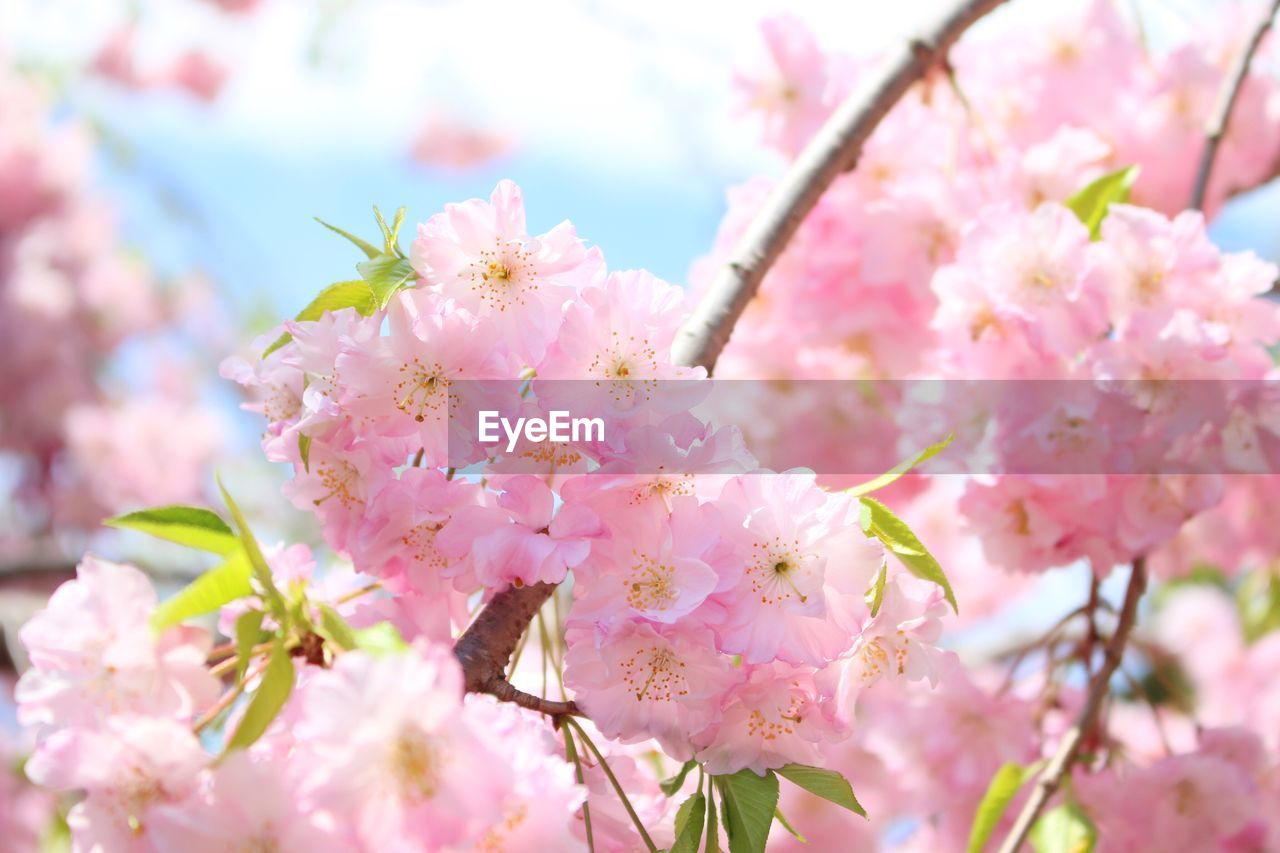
[676, 782]
[749, 802]
[370, 250]
[220, 585]
[380, 639]
[396, 223]
[689, 820]
[1091, 203]
[261, 571]
[901, 468]
[1000, 792]
[1065, 829]
[786, 824]
[355, 294]
[385, 275]
[875, 595]
[273, 691]
[248, 633]
[192, 526]
[304, 451]
[335, 629]
[879, 521]
[827, 784]
[390, 236]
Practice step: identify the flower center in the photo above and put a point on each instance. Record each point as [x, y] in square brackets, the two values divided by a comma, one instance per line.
[652, 586]
[338, 477]
[421, 388]
[503, 276]
[415, 764]
[656, 674]
[778, 572]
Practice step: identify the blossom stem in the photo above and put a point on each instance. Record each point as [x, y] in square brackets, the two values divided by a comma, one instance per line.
[1216, 129]
[225, 701]
[617, 786]
[572, 752]
[1051, 777]
[834, 149]
[356, 593]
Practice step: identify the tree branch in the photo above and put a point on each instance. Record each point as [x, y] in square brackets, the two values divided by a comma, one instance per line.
[833, 150]
[486, 647]
[1099, 686]
[1226, 101]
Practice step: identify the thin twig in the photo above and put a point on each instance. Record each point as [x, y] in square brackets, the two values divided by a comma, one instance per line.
[833, 150]
[1069, 749]
[226, 701]
[1226, 101]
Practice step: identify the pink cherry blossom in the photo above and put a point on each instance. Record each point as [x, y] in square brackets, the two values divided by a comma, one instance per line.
[481, 255]
[129, 768]
[519, 539]
[776, 716]
[807, 565]
[93, 654]
[638, 681]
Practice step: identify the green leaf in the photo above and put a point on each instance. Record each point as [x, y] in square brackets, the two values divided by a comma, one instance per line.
[261, 571]
[380, 639]
[385, 275]
[337, 296]
[689, 819]
[335, 629]
[1258, 601]
[248, 634]
[1065, 829]
[304, 450]
[396, 223]
[827, 784]
[356, 294]
[192, 526]
[1000, 792]
[676, 782]
[370, 250]
[749, 802]
[875, 595]
[879, 521]
[220, 585]
[713, 825]
[273, 691]
[390, 236]
[786, 824]
[901, 468]
[1091, 203]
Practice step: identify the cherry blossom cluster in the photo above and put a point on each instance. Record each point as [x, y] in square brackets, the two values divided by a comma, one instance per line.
[725, 617]
[733, 620]
[369, 753]
[949, 253]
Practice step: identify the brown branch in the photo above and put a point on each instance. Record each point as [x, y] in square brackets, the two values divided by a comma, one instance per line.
[1099, 686]
[833, 150]
[486, 646]
[1226, 101]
